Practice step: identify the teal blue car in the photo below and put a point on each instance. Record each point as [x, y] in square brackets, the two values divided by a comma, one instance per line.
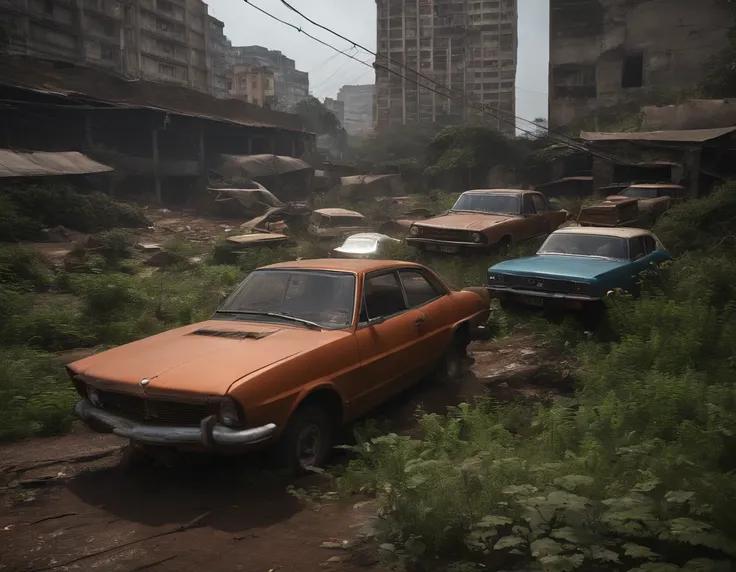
[577, 266]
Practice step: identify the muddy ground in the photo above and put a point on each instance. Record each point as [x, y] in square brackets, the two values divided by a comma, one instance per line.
[71, 503]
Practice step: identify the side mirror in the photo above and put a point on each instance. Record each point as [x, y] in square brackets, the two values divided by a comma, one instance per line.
[376, 321]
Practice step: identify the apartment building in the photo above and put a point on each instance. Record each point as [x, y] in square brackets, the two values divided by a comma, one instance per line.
[253, 84]
[466, 51]
[337, 107]
[606, 52]
[220, 57]
[161, 40]
[358, 103]
[291, 85]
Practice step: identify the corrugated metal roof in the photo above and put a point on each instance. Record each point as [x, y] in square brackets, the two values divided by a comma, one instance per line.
[684, 136]
[42, 164]
[260, 165]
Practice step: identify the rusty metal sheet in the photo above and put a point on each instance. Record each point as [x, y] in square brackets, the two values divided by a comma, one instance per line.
[260, 165]
[43, 164]
[682, 136]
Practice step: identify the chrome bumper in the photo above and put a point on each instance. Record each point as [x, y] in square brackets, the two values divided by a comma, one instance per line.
[494, 291]
[208, 434]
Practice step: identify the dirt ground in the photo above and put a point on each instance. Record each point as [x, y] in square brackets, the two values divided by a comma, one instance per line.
[71, 503]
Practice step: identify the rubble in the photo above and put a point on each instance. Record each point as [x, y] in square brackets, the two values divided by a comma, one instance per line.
[162, 259]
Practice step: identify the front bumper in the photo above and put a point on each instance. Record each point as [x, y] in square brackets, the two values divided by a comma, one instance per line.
[502, 292]
[209, 434]
[450, 243]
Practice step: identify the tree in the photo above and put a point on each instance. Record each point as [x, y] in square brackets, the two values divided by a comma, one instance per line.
[320, 120]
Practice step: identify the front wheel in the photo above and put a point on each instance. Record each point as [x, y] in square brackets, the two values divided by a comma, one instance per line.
[306, 443]
[451, 365]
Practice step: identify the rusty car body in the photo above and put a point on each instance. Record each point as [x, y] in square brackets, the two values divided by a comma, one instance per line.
[336, 223]
[483, 219]
[653, 198]
[298, 349]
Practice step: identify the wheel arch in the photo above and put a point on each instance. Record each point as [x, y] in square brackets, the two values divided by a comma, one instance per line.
[324, 395]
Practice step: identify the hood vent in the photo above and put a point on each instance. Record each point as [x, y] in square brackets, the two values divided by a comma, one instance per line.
[234, 335]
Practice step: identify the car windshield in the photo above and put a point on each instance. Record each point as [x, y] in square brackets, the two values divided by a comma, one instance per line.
[586, 245]
[324, 298]
[490, 203]
[641, 192]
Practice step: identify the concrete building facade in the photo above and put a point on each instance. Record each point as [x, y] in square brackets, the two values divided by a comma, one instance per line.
[606, 52]
[467, 46]
[292, 85]
[358, 102]
[337, 107]
[220, 57]
[161, 40]
[254, 85]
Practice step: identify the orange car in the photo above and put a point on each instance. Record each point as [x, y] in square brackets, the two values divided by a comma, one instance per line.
[483, 219]
[298, 349]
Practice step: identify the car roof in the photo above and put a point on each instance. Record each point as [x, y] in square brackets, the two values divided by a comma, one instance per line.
[337, 212]
[357, 266]
[498, 191]
[656, 186]
[620, 232]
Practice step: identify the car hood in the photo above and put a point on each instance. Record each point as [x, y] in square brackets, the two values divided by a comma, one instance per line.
[556, 266]
[465, 221]
[204, 358]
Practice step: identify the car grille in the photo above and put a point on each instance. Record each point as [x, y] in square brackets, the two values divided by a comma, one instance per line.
[533, 283]
[152, 411]
[445, 234]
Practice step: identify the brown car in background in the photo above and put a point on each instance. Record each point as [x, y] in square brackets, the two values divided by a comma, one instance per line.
[297, 350]
[485, 219]
[653, 198]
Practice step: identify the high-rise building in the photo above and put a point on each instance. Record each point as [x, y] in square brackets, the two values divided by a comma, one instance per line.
[219, 48]
[337, 107]
[358, 110]
[253, 84]
[467, 47]
[609, 52]
[292, 85]
[161, 40]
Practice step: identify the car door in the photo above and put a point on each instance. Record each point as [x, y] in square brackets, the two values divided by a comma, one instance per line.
[426, 295]
[533, 222]
[386, 334]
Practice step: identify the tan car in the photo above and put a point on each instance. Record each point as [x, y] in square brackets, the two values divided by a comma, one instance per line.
[484, 219]
[336, 223]
[653, 198]
[297, 350]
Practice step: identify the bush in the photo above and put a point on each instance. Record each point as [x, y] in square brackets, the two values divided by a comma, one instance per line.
[35, 395]
[24, 269]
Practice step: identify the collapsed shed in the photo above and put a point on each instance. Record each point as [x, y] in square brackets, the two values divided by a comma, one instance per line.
[288, 177]
[365, 187]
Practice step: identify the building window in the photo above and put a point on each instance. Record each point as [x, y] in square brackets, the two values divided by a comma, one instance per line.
[165, 6]
[107, 54]
[48, 7]
[108, 28]
[166, 70]
[632, 74]
[162, 25]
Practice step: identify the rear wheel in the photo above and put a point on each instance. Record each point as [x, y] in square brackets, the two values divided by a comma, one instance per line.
[452, 364]
[306, 443]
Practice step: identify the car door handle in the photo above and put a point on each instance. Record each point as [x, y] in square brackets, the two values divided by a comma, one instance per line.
[420, 321]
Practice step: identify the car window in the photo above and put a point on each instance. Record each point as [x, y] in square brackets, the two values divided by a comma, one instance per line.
[528, 205]
[418, 289]
[383, 297]
[490, 203]
[636, 247]
[650, 245]
[539, 203]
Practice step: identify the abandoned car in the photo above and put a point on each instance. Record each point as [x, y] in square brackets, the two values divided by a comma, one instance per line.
[483, 219]
[364, 245]
[336, 223]
[298, 349]
[653, 198]
[577, 266]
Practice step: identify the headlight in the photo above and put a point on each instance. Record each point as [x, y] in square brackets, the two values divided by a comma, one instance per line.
[476, 237]
[495, 278]
[414, 230]
[229, 414]
[94, 396]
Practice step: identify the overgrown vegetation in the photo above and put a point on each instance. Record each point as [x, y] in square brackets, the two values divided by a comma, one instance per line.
[636, 472]
[26, 209]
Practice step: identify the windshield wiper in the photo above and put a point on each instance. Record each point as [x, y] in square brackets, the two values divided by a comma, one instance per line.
[308, 323]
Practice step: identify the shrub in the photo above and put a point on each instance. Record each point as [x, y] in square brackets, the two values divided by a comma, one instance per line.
[24, 269]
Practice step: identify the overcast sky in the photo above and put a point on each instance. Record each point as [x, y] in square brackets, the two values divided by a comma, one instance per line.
[356, 19]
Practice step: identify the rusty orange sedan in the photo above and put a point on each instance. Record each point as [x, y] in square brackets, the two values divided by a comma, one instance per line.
[297, 350]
